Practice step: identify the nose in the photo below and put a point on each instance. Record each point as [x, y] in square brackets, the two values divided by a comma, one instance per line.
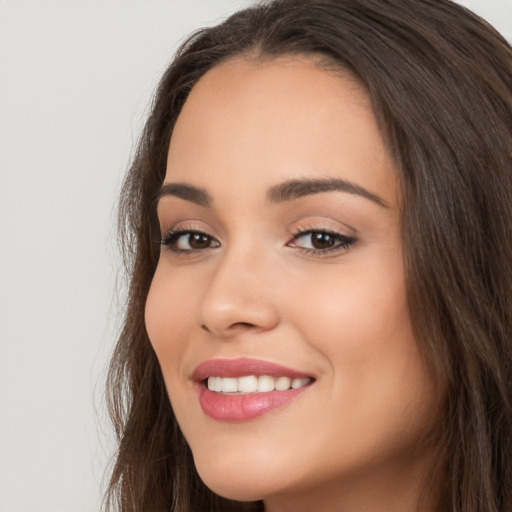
[238, 298]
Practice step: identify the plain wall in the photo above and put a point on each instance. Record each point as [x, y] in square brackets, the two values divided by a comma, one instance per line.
[75, 81]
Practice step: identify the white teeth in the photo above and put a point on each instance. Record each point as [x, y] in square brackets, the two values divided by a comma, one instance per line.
[248, 384]
[215, 384]
[265, 383]
[229, 385]
[283, 383]
[254, 384]
[298, 383]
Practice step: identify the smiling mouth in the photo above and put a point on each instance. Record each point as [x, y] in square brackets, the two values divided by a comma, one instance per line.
[234, 390]
[254, 384]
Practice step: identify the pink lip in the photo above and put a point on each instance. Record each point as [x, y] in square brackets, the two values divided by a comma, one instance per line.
[242, 407]
[241, 367]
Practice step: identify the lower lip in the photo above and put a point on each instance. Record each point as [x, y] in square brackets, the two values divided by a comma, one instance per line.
[244, 407]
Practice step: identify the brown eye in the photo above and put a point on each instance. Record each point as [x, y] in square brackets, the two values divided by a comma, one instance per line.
[198, 241]
[322, 240]
[189, 241]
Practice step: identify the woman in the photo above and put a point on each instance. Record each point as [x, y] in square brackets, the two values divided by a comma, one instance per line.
[317, 229]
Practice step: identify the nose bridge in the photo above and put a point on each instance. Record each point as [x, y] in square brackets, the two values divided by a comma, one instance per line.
[238, 295]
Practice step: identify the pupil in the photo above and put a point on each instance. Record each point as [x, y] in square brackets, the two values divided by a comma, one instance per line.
[322, 240]
[198, 241]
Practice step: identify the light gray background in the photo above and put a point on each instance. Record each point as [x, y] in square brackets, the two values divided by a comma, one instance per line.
[75, 82]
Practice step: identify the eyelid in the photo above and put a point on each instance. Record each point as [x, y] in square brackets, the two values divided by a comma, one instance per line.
[324, 225]
[337, 243]
[180, 232]
[345, 242]
[186, 225]
[171, 236]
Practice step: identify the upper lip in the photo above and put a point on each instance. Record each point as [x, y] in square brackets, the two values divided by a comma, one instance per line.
[242, 367]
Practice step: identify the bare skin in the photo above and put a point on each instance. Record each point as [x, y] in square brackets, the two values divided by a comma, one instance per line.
[311, 281]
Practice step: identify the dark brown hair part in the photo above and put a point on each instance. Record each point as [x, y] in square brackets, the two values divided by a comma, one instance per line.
[440, 80]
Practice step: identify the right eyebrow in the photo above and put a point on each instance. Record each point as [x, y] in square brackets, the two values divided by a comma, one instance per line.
[196, 195]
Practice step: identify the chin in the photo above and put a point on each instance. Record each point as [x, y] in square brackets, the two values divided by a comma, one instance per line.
[243, 479]
[244, 487]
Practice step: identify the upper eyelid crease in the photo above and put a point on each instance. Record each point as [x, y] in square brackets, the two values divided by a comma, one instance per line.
[286, 191]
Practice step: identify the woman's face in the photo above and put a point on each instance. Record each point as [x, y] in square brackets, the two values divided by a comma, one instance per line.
[281, 267]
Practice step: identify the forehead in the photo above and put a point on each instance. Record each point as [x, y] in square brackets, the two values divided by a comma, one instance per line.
[275, 120]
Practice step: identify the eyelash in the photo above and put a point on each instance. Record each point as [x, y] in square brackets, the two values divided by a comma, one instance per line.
[170, 239]
[344, 242]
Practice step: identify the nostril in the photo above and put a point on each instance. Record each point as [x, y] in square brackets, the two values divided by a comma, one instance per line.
[237, 326]
[245, 325]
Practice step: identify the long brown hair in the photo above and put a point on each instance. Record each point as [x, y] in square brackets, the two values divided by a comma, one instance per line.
[440, 80]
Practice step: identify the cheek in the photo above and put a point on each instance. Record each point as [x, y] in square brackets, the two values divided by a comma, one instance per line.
[167, 317]
[361, 327]
[360, 309]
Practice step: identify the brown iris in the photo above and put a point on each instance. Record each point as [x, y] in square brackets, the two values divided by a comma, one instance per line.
[199, 241]
[322, 240]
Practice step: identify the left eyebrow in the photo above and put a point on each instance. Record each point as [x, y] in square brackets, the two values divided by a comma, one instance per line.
[293, 189]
